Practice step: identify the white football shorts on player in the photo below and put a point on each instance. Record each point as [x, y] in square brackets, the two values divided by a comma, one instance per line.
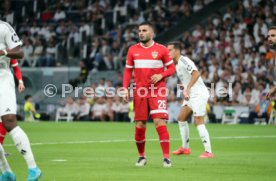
[7, 96]
[197, 104]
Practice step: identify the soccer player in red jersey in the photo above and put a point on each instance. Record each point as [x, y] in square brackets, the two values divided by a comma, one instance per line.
[21, 88]
[149, 59]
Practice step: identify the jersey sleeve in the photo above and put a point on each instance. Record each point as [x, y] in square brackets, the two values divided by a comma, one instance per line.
[167, 60]
[189, 65]
[11, 38]
[13, 62]
[16, 70]
[129, 60]
[128, 69]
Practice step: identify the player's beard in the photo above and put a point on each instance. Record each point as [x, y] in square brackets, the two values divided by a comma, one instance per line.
[146, 40]
[272, 45]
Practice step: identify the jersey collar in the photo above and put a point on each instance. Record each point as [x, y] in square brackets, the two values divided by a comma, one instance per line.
[179, 59]
[141, 44]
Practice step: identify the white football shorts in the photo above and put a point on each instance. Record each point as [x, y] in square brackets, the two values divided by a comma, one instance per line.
[197, 104]
[7, 95]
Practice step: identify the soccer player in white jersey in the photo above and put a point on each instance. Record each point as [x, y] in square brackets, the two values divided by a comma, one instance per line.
[10, 47]
[196, 96]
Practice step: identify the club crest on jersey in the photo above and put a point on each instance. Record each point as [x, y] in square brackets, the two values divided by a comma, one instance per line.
[154, 54]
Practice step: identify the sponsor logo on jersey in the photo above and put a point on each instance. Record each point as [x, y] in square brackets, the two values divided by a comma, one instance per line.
[15, 38]
[189, 68]
[137, 54]
[154, 54]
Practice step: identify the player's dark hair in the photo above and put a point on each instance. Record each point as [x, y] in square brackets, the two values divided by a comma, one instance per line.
[272, 28]
[147, 24]
[176, 45]
[27, 97]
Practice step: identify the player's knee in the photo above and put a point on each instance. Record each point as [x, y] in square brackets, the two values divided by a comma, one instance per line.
[181, 118]
[140, 124]
[9, 122]
[199, 121]
[159, 122]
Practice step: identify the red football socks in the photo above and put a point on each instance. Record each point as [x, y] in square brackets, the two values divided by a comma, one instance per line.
[140, 139]
[164, 138]
[3, 133]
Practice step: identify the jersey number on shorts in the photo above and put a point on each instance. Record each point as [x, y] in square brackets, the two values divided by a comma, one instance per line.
[161, 104]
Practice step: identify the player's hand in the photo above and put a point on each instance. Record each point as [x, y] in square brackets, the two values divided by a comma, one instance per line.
[271, 93]
[125, 95]
[21, 87]
[186, 94]
[156, 78]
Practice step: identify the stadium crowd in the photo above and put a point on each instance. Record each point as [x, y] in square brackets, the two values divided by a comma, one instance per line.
[231, 52]
[97, 32]
[230, 49]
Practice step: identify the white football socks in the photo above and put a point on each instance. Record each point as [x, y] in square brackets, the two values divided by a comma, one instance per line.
[204, 135]
[4, 165]
[185, 133]
[22, 143]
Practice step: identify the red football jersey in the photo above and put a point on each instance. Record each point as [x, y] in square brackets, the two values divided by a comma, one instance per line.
[147, 61]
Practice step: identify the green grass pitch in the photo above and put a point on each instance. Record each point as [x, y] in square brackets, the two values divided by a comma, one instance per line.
[106, 152]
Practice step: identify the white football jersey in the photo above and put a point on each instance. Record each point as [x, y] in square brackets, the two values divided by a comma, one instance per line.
[184, 69]
[8, 40]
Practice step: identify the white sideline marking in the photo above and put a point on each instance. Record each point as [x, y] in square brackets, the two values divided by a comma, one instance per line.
[131, 140]
[59, 160]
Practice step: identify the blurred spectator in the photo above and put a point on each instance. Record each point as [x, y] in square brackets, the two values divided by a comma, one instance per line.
[116, 53]
[59, 14]
[30, 113]
[34, 30]
[116, 108]
[99, 110]
[123, 112]
[263, 109]
[109, 110]
[71, 107]
[37, 53]
[110, 62]
[260, 28]
[44, 31]
[83, 109]
[247, 99]
[85, 31]
[95, 57]
[198, 5]
[50, 57]
[102, 84]
[28, 51]
[74, 39]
